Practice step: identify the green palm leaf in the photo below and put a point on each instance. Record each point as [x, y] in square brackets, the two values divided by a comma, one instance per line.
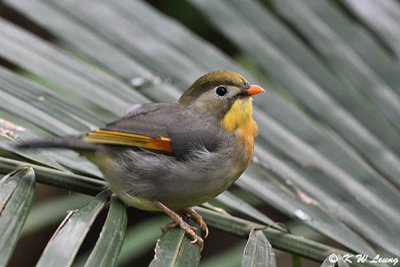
[328, 151]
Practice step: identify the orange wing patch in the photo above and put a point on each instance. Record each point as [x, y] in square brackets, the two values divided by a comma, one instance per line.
[129, 139]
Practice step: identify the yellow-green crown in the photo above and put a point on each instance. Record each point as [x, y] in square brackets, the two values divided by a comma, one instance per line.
[210, 80]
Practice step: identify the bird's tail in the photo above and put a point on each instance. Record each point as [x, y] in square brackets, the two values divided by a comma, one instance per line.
[73, 142]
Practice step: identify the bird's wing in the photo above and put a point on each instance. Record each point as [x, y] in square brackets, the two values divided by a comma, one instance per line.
[165, 128]
[143, 127]
[112, 137]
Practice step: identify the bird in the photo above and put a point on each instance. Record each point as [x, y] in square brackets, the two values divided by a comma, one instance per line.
[171, 157]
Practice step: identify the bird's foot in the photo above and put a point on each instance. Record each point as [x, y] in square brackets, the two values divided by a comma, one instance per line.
[174, 224]
[178, 221]
[197, 218]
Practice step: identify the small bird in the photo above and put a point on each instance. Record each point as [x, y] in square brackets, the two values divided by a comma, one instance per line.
[172, 156]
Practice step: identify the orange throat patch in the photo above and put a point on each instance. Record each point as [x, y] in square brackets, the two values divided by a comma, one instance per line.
[239, 121]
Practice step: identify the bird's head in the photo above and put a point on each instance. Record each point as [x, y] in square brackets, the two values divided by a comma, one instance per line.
[222, 93]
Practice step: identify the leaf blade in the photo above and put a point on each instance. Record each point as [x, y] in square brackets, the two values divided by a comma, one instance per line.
[109, 244]
[64, 244]
[258, 251]
[15, 211]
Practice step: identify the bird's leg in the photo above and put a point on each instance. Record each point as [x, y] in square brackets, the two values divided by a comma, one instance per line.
[197, 218]
[182, 224]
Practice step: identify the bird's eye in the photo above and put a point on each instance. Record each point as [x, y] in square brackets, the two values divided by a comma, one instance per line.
[221, 90]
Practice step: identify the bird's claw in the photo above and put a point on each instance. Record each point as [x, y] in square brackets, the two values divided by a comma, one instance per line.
[199, 241]
[189, 230]
[174, 224]
[198, 219]
[205, 229]
[178, 221]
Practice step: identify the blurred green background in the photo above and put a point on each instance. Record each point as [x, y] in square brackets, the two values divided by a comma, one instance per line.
[327, 158]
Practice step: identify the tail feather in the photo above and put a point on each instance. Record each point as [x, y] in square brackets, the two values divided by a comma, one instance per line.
[74, 143]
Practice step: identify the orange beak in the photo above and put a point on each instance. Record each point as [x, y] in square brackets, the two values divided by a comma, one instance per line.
[254, 89]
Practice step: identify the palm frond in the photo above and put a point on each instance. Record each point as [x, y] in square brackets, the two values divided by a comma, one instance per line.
[328, 152]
